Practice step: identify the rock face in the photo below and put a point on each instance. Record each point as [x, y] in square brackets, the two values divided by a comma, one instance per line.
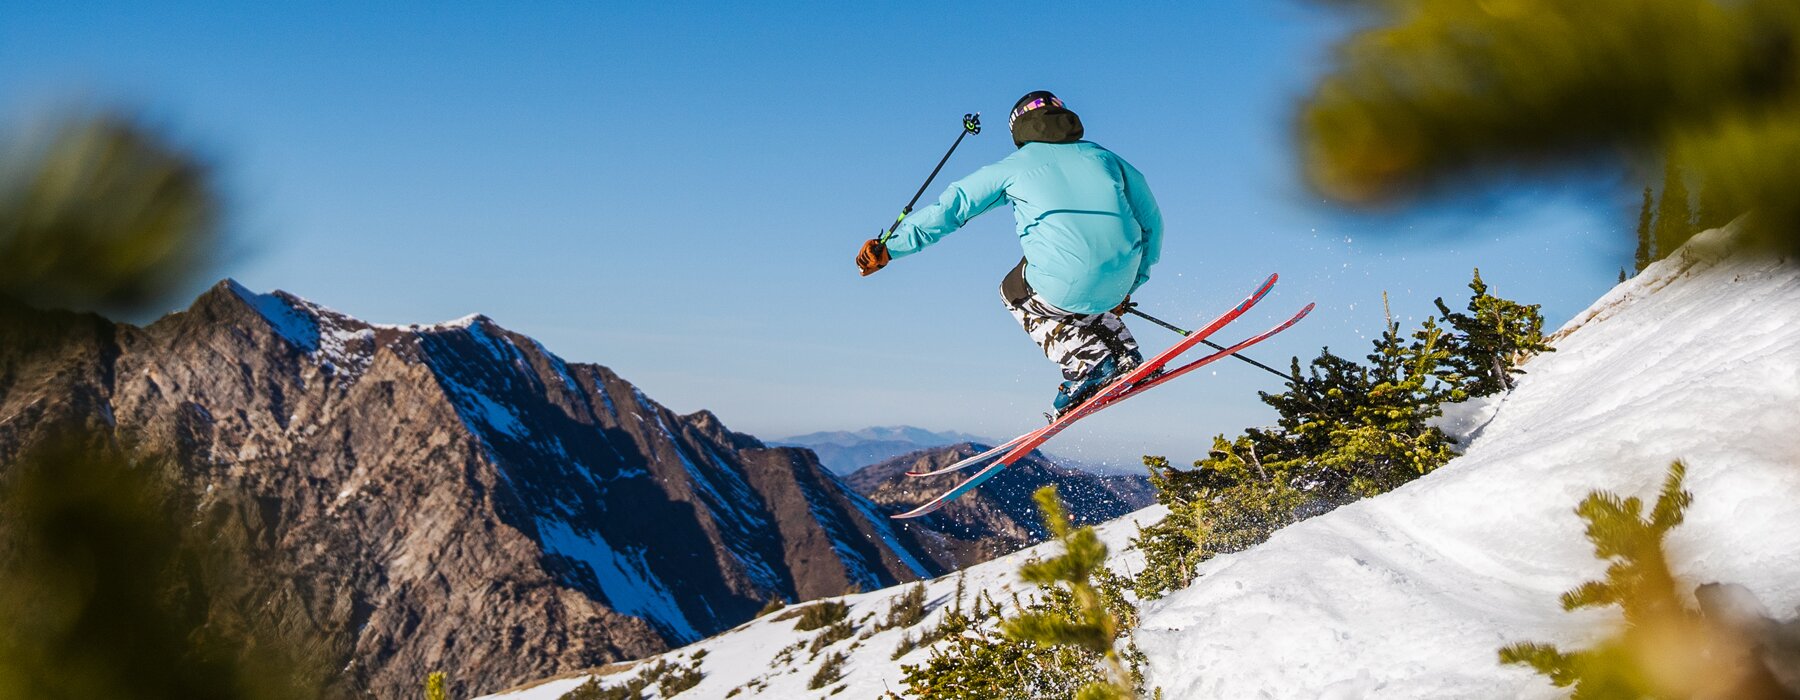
[1000, 517]
[451, 497]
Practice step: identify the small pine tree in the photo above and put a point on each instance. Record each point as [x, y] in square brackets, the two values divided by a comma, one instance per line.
[820, 614]
[1664, 649]
[1344, 430]
[831, 670]
[1491, 340]
[434, 687]
[1227, 503]
[1315, 405]
[673, 679]
[774, 605]
[1390, 440]
[907, 610]
[1646, 242]
[114, 585]
[830, 635]
[1090, 626]
[630, 689]
[1674, 215]
[1175, 546]
[975, 659]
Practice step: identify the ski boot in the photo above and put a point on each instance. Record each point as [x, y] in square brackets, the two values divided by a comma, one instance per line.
[1075, 391]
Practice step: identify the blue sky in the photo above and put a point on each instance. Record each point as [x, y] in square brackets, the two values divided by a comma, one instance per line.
[676, 190]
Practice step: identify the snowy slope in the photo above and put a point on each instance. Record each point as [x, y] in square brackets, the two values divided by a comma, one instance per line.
[747, 657]
[1409, 594]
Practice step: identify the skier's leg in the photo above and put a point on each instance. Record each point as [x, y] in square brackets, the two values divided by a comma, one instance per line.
[1076, 342]
[1062, 339]
[1048, 326]
[1110, 331]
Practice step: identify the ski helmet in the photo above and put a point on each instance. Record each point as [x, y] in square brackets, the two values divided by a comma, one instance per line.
[1040, 116]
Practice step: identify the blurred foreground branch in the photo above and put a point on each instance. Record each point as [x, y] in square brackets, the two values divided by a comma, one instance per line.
[105, 591]
[114, 583]
[104, 215]
[1436, 90]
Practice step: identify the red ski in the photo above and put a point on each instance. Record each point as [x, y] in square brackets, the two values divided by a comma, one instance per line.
[1159, 360]
[1133, 383]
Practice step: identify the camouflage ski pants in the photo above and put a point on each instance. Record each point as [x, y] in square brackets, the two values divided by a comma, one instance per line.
[1075, 341]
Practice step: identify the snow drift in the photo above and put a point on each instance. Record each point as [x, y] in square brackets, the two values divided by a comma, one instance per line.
[1410, 594]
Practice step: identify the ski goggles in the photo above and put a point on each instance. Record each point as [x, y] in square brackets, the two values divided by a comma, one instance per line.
[1038, 103]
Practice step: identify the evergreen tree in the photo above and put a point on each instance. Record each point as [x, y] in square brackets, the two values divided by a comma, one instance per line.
[1315, 405]
[831, 670]
[1344, 430]
[972, 660]
[906, 611]
[1060, 645]
[1225, 504]
[1089, 626]
[1646, 243]
[1664, 649]
[1674, 214]
[1390, 440]
[1492, 339]
[629, 689]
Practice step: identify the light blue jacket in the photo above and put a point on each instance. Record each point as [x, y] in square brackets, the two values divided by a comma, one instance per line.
[1087, 221]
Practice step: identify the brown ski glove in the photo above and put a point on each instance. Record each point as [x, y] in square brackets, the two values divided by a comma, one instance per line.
[872, 257]
[1123, 306]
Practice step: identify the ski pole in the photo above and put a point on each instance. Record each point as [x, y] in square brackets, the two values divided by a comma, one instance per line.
[1165, 324]
[971, 125]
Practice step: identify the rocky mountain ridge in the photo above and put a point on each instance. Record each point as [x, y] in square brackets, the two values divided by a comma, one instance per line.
[1000, 517]
[452, 496]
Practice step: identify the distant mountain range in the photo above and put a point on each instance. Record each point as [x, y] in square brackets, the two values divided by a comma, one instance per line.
[1001, 516]
[845, 451]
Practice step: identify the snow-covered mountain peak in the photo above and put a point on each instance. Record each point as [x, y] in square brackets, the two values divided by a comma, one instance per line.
[453, 485]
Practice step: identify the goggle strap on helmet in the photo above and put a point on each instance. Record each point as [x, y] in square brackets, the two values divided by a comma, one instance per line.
[1038, 103]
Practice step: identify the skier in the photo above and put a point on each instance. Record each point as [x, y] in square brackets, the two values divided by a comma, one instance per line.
[1090, 230]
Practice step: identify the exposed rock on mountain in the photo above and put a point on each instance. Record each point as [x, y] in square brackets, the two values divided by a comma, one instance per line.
[450, 497]
[1000, 517]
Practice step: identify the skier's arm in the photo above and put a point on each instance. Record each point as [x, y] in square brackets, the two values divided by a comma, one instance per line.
[1149, 220]
[965, 199]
